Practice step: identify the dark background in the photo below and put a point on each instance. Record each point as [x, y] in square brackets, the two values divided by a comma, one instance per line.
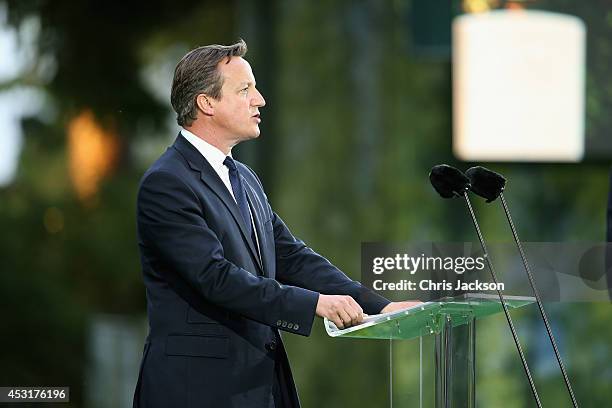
[358, 110]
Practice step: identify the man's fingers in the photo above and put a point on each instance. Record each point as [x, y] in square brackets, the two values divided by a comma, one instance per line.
[345, 317]
[338, 322]
[343, 310]
[357, 312]
[355, 315]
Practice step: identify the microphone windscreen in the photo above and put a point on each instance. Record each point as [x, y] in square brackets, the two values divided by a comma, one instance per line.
[486, 183]
[448, 181]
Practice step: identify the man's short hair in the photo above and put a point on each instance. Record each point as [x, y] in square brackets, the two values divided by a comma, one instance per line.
[196, 73]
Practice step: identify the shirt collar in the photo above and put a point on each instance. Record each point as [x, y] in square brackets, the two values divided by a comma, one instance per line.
[213, 155]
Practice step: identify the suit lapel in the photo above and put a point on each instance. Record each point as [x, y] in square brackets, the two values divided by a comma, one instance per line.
[209, 176]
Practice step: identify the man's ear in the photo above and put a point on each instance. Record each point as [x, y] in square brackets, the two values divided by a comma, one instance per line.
[204, 104]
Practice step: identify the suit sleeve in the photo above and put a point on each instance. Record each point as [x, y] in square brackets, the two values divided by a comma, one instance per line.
[172, 226]
[297, 264]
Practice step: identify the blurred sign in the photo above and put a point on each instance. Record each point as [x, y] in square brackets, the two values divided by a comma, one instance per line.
[518, 86]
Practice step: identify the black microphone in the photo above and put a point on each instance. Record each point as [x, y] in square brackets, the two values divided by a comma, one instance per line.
[485, 183]
[490, 185]
[450, 182]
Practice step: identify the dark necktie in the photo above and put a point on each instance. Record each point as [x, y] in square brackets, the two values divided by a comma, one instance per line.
[239, 195]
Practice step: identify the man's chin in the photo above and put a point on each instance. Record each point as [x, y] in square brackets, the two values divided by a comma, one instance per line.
[250, 136]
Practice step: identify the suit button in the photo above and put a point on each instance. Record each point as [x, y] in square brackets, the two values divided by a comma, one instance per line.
[296, 326]
[290, 326]
[271, 346]
[278, 322]
[284, 323]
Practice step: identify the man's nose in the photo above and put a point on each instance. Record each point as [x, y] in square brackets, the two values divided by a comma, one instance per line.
[259, 100]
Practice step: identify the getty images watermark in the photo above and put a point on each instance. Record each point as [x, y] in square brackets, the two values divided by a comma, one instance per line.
[411, 264]
[429, 270]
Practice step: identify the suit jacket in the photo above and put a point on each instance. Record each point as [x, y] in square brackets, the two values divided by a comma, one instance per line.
[215, 303]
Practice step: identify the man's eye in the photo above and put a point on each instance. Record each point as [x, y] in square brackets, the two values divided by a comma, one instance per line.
[244, 90]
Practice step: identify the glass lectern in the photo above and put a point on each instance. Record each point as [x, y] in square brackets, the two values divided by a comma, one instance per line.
[452, 321]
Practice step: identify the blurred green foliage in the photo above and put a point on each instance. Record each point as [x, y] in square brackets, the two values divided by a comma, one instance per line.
[353, 123]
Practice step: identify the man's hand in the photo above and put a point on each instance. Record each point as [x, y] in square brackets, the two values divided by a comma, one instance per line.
[394, 306]
[340, 309]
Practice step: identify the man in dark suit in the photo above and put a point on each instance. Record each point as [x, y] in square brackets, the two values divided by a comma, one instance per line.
[222, 271]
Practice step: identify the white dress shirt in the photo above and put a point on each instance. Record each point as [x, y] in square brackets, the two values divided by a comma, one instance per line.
[215, 158]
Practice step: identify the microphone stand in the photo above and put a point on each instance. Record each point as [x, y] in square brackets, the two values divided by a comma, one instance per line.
[503, 303]
[538, 301]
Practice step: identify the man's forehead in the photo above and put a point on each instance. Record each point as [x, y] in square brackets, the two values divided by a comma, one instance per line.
[237, 70]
